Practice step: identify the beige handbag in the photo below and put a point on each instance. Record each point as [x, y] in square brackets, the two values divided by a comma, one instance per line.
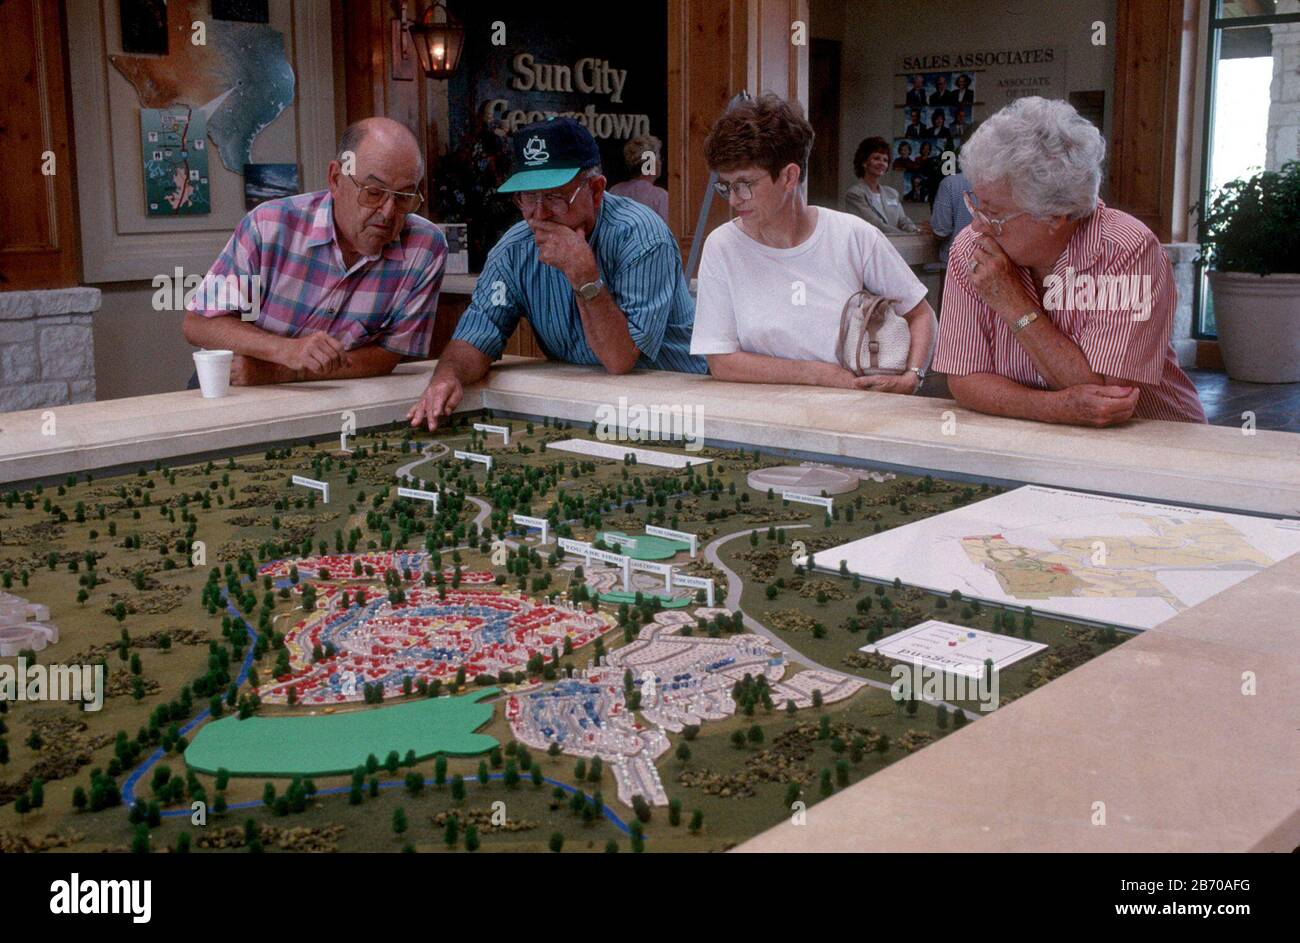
[874, 339]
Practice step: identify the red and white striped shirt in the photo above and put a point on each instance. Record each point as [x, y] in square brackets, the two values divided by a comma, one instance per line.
[1111, 262]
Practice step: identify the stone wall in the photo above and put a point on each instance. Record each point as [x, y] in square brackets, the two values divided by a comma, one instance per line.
[47, 355]
[1284, 95]
[1182, 256]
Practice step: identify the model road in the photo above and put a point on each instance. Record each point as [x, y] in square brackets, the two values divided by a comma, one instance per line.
[426, 453]
[735, 588]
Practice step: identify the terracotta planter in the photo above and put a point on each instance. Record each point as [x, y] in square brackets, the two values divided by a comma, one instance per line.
[1259, 325]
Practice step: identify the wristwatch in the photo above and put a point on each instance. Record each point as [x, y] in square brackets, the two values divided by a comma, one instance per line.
[1024, 321]
[920, 377]
[591, 289]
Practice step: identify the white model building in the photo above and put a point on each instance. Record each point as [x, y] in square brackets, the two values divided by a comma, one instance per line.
[24, 625]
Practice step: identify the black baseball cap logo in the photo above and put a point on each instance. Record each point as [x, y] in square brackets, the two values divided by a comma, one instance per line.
[548, 154]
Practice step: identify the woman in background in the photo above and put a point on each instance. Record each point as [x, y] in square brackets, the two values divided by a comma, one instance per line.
[642, 157]
[869, 198]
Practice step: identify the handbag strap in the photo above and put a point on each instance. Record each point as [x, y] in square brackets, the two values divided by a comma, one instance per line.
[846, 321]
[873, 316]
[874, 308]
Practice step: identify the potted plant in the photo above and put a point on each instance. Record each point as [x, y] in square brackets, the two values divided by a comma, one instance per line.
[1250, 239]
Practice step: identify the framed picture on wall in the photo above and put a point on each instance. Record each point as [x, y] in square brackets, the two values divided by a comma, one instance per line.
[144, 26]
[122, 239]
[914, 122]
[242, 11]
[915, 189]
[914, 91]
[938, 124]
[940, 89]
[263, 182]
[964, 85]
[907, 153]
[935, 89]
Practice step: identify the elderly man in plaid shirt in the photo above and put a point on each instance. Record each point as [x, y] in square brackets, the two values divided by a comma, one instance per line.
[347, 278]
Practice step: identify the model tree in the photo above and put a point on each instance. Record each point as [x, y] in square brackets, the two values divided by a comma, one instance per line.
[826, 786]
[641, 808]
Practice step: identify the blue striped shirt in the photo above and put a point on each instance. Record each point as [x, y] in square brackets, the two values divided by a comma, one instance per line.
[642, 269]
[949, 215]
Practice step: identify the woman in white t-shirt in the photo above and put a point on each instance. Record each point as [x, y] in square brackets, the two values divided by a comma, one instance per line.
[774, 280]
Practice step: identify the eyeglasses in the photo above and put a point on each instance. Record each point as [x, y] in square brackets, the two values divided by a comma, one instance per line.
[372, 197]
[557, 204]
[742, 188]
[985, 219]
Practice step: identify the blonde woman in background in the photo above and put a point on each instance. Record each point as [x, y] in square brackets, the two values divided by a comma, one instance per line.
[642, 156]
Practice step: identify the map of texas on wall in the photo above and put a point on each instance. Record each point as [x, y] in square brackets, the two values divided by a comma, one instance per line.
[239, 74]
[1083, 556]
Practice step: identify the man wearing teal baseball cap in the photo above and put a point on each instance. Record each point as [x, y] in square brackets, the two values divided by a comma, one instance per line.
[598, 276]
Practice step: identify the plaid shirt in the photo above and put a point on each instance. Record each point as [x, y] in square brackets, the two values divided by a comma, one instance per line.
[390, 300]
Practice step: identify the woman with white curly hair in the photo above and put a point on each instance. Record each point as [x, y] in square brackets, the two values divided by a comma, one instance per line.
[642, 156]
[1056, 307]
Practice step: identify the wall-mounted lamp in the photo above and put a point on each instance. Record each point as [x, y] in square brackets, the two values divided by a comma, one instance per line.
[438, 39]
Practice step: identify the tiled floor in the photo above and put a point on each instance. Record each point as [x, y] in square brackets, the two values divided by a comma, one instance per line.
[1275, 405]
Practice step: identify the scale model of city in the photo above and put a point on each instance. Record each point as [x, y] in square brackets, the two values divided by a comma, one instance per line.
[509, 635]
